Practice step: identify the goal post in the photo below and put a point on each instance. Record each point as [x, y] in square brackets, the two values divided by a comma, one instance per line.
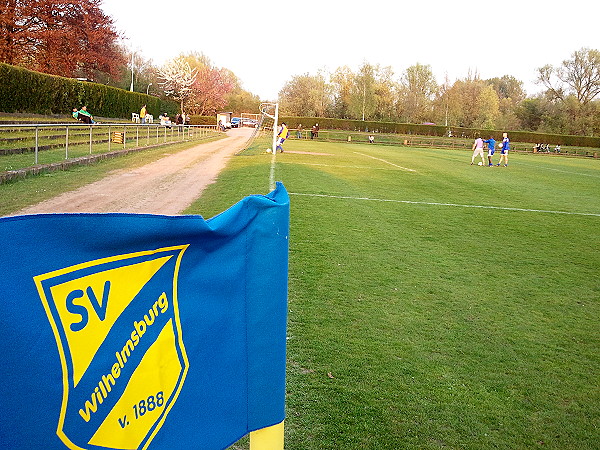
[271, 111]
[264, 136]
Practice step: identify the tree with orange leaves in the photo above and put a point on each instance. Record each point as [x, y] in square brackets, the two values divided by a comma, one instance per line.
[67, 38]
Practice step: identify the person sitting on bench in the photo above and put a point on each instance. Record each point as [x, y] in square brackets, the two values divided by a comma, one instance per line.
[85, 116]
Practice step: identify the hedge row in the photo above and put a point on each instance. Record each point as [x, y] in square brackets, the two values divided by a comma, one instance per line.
[26, 91]
[439, 130]
[203, 120]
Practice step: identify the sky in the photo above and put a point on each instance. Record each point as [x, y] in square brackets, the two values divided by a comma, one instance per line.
[266, 43]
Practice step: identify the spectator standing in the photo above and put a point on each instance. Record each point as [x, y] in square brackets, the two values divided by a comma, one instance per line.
[143, 113]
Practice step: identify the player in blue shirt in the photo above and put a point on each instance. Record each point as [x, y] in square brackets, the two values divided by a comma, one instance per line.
[504, 150]
[491, 142]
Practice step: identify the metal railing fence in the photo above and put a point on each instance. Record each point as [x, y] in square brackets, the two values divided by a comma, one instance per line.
[23, 145]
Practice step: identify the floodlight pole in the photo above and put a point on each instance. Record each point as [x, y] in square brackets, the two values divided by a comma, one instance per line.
[131, 87]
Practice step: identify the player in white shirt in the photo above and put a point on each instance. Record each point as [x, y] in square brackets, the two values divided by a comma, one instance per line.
[478, 150]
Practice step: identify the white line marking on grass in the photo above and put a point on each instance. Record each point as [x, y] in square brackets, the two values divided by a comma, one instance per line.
[504, 208]
[347, 167]
[387, 162]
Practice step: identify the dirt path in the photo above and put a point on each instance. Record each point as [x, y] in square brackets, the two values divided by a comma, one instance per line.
[167, 186]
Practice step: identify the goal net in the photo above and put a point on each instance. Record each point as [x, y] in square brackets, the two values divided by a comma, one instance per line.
[265, 134]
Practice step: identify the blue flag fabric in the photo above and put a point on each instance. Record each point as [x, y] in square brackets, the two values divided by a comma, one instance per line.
[124, 331]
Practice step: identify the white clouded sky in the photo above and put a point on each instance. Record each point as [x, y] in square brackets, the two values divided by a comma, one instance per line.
[266, 42]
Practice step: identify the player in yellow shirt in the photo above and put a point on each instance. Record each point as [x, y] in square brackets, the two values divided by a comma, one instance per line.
[283, 134]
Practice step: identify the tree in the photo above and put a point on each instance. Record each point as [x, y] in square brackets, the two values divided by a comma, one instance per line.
[386, 95]
[362, 97]
[306, 95]
[472, 103]
[487, 107]
[240, 100]
[16, 23]
[508, 87]
[73, 38]
[578, 76]
[510, 92]
[341, 84]
[571, 89]
[177, 79]
[531, 112]
[418, 91]
[211, 86]
[145, 78]
[210, 90]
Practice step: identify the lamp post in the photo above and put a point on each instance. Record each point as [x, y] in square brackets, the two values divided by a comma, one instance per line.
[131, 87]
[148, 89]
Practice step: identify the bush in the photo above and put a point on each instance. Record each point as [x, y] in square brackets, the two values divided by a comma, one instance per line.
[203, 120]
[26, 91]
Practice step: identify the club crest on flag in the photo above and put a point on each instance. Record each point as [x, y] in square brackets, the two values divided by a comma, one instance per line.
[118, 332]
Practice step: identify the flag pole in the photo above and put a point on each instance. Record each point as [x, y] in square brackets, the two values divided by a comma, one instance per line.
[270, 438]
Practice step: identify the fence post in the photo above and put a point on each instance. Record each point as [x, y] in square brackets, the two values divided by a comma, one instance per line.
[36, 143]
[90, 139]
[137, 135]
[124, 138]
[67, 143]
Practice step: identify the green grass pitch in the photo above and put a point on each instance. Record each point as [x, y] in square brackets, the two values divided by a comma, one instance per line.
[434, 304]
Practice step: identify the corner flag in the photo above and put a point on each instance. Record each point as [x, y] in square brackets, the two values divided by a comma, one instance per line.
[125, 331]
